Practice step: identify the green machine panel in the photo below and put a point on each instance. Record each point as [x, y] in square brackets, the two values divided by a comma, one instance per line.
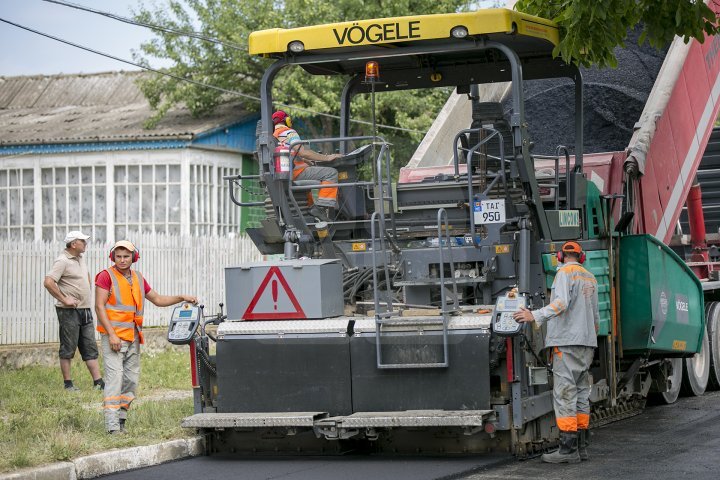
[661, 299]
[596, 262]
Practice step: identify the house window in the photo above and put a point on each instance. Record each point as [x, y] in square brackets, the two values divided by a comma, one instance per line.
[228, 214]
[201, 200]
[73, 198]
[17, 204]
[108, 199]
[147, 198]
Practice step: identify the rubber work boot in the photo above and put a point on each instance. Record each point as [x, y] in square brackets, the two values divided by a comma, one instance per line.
[320, 213]
[568, 451]
[122, 424]
[583, 442]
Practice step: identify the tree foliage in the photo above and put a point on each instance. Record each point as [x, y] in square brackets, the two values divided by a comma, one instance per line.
[231, 21]
[590, 29]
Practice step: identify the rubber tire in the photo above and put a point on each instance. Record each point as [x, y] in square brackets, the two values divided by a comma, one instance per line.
[696, 370]
[671, 396]
[713, 330]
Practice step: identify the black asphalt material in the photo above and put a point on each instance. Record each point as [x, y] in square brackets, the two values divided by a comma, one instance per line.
[614, 100]
[313, 468]
[665, 442]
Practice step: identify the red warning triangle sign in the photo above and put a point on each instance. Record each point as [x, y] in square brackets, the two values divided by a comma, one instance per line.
[274, 300]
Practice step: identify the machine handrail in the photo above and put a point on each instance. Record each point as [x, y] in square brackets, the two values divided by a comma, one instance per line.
[381, 318]
[385, 318]
[442, 214]
[300, 188]
[456, 160]
[376, 300]
[559, 149]
[501, 174]
[380, 186]
[489, 188]
[231, 180]
[241, 177]
[384, 151]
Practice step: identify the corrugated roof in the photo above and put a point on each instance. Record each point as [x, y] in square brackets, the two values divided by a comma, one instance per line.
[92, 108]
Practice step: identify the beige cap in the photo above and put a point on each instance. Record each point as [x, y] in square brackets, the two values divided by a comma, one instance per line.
[75, 235]
[126, 244]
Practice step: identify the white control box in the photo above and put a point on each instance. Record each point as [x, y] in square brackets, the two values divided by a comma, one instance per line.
[183, 324]
[503, 322]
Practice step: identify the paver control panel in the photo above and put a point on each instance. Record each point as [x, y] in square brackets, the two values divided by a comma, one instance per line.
[183, 323]
[505, 306]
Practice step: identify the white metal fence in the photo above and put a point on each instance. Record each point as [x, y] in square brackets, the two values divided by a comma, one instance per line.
[171, 264]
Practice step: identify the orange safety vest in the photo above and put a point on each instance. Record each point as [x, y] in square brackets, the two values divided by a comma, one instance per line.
[299, 164]
[125, 306]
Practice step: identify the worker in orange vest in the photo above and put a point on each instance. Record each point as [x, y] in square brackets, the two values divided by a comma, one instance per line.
[302, 155]
[120, 294]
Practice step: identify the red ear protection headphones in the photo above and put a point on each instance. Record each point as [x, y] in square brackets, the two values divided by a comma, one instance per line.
[281, 117]
[128, 245]
[571, 247]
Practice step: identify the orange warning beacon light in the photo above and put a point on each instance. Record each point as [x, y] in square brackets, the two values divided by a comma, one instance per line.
[372, 71]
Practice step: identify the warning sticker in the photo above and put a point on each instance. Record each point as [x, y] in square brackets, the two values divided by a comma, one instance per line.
[274, 300]
[499, 249]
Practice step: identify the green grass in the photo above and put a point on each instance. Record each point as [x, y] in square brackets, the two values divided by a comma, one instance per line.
[41, 423]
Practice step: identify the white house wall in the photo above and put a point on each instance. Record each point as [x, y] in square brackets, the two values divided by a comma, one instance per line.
[112, 194]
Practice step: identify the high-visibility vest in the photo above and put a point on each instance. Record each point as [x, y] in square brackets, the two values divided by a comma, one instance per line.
[125, 306]
[299, 164]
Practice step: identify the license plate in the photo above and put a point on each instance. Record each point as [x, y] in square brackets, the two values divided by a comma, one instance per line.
[489, 211]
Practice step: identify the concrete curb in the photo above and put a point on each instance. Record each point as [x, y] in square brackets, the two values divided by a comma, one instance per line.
[55, 471]
[113, 461]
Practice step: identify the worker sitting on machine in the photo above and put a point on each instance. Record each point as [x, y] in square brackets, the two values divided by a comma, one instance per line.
[323, 208]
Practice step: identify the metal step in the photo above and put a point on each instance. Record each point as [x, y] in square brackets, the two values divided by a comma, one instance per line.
[252, 420]
[410, 418]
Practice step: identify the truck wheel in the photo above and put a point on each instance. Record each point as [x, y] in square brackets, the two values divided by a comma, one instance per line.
[696, 370]
[713, 331]
[675, 382]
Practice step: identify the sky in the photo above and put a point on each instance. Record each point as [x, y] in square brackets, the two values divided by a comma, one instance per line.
[26, 53]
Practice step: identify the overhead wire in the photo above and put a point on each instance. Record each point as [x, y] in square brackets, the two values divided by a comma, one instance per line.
[177, 77]
[152, 26]
[129, 62]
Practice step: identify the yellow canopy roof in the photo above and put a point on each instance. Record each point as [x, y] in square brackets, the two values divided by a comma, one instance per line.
[389, 32]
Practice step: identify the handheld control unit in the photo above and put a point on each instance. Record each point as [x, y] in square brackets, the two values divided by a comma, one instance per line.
[183, 323]
[503, 322]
